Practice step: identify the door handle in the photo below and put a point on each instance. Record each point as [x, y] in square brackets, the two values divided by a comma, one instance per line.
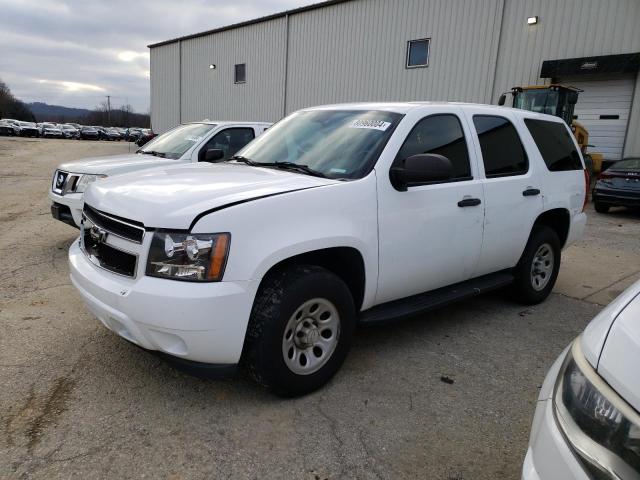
[469, 202]
[531, 192]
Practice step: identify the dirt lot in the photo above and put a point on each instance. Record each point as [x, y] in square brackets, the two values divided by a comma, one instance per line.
[76, 400]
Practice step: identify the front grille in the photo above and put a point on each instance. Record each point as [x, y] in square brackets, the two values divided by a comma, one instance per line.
[108, 257]
[127, 229]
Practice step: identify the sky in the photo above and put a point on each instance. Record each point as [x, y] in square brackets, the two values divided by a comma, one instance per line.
[76, 52]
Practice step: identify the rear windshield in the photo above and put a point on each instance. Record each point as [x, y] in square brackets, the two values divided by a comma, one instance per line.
[626, 164]
[555, 144]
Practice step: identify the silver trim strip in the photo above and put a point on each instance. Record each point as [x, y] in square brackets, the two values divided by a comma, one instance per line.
[118, 221]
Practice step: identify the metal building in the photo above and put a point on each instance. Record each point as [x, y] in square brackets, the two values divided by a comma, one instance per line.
[366, 50]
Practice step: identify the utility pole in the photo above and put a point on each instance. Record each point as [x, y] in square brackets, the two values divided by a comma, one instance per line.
[109, 109]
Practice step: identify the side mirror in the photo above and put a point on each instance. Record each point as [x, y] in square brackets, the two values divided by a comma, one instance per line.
[213, 155]
[502, 99]
[419, 170]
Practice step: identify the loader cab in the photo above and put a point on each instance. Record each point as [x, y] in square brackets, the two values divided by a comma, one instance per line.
[557, 100]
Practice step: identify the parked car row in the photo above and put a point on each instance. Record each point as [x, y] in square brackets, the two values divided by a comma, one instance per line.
[13, 127]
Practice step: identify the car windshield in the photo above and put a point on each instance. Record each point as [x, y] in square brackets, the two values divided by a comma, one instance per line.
[627, 164]
[176, 142]
[332, 143]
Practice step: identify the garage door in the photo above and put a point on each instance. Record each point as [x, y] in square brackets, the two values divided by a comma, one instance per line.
[603, 108]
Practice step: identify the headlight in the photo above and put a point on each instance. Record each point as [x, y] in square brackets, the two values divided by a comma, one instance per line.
[600, 426]
[195, 257]
[85, 180]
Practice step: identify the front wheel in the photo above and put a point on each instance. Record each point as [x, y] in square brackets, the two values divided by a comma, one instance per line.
[537, 270]
[300, 330]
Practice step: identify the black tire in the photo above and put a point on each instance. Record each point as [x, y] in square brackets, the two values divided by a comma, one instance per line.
[279, 297]
[524, 288]
[600, 207]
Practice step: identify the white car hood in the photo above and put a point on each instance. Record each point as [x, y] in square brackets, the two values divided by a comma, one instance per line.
[116, 164]
[611, 344]
[172, 197]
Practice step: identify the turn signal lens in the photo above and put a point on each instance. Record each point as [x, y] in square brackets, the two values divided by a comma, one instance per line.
[219, 257]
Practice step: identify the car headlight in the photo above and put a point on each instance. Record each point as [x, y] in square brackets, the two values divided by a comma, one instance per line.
[601, 427]
[198, 257]
[85, 180]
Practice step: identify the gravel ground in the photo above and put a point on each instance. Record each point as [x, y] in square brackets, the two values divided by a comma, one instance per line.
[76, 400]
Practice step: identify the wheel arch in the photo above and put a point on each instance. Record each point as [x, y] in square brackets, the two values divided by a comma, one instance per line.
[558, 219]
[345, 262]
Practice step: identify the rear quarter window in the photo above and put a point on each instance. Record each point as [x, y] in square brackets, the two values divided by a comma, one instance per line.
[555, 145]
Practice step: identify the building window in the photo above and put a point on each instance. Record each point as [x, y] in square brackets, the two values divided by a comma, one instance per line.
[418, 53]
[240, 73]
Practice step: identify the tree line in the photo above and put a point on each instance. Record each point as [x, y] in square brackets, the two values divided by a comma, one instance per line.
[11, 107]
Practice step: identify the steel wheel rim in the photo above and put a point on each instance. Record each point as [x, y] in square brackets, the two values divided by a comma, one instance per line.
[311, 336]
[542, 267]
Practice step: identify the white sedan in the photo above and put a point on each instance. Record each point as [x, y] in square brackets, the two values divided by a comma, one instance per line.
[587, 424]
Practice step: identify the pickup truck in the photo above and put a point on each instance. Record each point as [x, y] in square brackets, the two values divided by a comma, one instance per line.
[337, 216]
[187, 143]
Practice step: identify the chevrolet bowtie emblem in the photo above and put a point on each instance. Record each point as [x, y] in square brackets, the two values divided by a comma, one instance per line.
[98, 235]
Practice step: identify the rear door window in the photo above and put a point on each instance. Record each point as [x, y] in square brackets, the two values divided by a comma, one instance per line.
[555, 144]
[502, 151]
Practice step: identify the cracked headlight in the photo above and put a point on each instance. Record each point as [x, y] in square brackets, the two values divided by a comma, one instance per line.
[85, 180]
[199, 257]
[600, 426]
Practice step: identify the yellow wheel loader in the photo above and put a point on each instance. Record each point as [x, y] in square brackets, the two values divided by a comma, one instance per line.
[558, 100]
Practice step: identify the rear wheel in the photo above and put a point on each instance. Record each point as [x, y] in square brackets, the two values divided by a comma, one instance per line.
[300, 330]
[600, 207]
[537, 270]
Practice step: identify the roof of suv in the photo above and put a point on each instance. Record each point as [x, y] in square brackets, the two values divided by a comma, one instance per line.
[228, 122]
[405, 107]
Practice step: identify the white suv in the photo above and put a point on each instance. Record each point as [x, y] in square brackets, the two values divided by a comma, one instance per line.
[188, 143]
[337, 215]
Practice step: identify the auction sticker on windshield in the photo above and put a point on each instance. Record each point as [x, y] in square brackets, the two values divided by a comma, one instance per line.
[370, 124]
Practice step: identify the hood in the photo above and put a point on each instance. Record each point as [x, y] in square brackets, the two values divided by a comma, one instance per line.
[116, 164]
[172, 197]
[611, 344]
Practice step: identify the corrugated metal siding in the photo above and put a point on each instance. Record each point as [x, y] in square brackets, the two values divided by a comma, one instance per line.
[566, 29]
[213, 94]
[356, 51]
[165, 87]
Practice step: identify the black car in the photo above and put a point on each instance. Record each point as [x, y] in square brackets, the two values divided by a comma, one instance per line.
[133, 134]
[8, 128]
[29, 129]
[147, 135]
[618, 186]
[89, 133]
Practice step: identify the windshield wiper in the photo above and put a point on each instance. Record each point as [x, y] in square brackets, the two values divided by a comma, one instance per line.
[154, 153]
[294, 166]
[240, 158]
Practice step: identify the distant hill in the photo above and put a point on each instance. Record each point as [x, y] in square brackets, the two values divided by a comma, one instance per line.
[56, 113]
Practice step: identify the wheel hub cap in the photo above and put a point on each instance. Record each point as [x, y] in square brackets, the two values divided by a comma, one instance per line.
[542, 267]
[311, 336]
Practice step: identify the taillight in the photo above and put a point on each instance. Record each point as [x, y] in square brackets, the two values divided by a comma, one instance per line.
[605, 175]
[587, 182]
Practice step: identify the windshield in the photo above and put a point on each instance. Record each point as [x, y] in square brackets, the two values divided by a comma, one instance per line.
[334, 143]
[176, 142]
[627, 164]
[537, 100]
